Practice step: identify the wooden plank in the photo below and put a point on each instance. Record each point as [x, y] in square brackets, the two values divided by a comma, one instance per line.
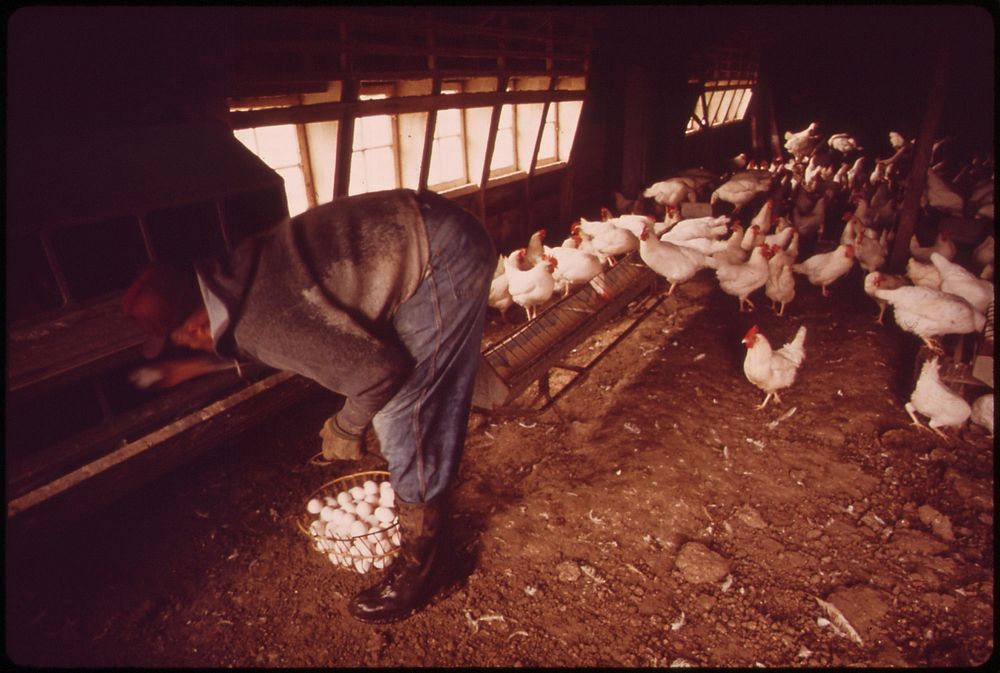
[346, 109]
[70, 346]
[100, 482]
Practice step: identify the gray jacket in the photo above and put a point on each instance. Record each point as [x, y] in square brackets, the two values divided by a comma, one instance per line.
[316, 295]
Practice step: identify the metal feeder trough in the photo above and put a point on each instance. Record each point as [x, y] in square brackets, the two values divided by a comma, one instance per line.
[508, 367]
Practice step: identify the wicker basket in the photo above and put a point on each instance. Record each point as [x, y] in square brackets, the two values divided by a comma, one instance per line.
[359, 551]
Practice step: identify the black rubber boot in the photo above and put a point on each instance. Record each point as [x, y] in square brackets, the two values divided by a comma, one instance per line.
[408, 584]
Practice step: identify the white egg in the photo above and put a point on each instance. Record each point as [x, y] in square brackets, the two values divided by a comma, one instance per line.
[358, 528]
[372, 498]
[363, 565]
[326, 545]
[331, 529]
[344, 498]
[317, 527]
[387, 499]
[331, 501]
[326, 514]
[334, 558]
[314, 506]
[364, 549]
[384, 515]
[357, 493]
[379, 562]
[342, 546]
[395, 538]
[364, 509]
[370, 487]
[385, 486]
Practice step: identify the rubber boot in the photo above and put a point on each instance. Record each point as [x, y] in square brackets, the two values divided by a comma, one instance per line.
[408, 584]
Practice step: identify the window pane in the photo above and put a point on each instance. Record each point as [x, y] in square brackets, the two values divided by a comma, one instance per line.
[278, 145]
[246, 137]
[380, 169]
[506, 117]
[745, 103]
[377, 131]
[447, 161]
[713, 105]
[295, 189]
[722, 115]
[503, 151]
[358, 184]
[359, 138]
[547, 148]
[449, 123]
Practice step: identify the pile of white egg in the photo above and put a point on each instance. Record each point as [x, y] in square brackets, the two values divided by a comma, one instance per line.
[356, 528]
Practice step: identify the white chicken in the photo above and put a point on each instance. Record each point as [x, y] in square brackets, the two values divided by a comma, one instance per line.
[699, 227]
[751, 237]
[764, 217]
[923, 274]
[738, 192]
[772, 370]
[535, 249]
[499, 297]
[801, 143]
[675, 263]
[931, 397]
[929, 313]
[611, 242]
[532, 287]
[740, 280]
[985, 253]
[672, 191]
[886, 281]
[943, 245]
[575, 267]
[780, 285]
[782, 237]
[982, 412]
[958, 280]
[729, 252]
[872, 249]
[826, 267]
[939, 195]
[844, 143]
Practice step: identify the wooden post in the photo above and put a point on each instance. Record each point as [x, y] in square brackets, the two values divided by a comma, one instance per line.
[917, 180]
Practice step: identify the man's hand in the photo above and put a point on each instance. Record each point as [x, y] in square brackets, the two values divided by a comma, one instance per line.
[338, 444]
[171, 372]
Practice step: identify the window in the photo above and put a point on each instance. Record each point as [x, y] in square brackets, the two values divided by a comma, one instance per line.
[448, 167]
[720, 103]
[504, 150]
[373, 159]
[547, 149]
[278, 147]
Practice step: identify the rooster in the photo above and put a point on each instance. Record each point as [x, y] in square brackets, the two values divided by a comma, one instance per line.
[532, 287]
[826, 267]
[932, 398]
[675, 263]
[885, 281]
[740, 280]
[772, 370]
[958, 280]
[929, 313]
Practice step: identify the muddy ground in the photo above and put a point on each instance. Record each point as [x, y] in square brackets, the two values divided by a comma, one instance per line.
[650, 517]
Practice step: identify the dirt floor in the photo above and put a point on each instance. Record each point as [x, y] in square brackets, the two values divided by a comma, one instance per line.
[650, 517]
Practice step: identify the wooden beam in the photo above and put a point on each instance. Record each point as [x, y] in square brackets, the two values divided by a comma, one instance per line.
[348, 107]
[917, 180]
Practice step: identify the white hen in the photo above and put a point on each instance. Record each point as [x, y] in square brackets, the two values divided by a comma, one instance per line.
[943, 245]
[675, 263]
[931, 397]
[982, 412]
[923, 274]
[801, 143]
[956, 279]
[499, 297]
[929, 313]
[532, 287]
[740, 280]
[885, 281]
[772, 370]
[826, 267]
[780, 285]
[699, 227]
